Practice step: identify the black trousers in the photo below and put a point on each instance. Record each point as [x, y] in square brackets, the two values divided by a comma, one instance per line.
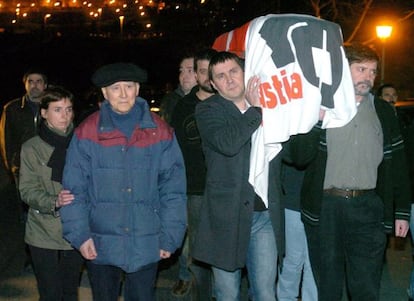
[348, 247]
[106, 282]
[200, 270]
[57, 273]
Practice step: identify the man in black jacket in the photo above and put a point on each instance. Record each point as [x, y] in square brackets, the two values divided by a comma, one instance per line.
[184, 123]
[20, 119]
[235, 227]
[19, 122]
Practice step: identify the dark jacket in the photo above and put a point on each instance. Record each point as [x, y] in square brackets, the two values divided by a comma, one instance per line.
[393, 185]
[168, 103]
[18, 124]
[223, 234]
[185, 126]
[292, 179]
[129, 193]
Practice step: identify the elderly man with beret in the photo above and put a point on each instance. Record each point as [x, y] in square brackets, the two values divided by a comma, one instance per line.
[126, 176]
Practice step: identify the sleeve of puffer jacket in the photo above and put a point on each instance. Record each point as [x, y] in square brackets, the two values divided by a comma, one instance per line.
[172, 189]
[75, 178]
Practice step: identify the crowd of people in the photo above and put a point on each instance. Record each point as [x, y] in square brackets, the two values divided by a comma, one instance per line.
[127, 188]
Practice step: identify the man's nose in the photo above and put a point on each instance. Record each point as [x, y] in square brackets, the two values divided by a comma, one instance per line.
[65, 113]
[229, 78]
[188, 74]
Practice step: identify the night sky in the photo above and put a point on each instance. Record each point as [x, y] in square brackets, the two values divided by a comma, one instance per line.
[70, 59]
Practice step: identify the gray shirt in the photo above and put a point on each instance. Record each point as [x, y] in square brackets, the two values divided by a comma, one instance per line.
[355, 150]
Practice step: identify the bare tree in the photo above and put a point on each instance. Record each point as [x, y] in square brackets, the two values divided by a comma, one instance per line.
[352, 14]
[357, 19]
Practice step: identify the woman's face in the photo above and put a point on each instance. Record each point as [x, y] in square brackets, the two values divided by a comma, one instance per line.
[59, 115]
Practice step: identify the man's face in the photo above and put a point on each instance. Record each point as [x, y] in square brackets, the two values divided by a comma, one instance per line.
[203, 80]
[228, 80]
[121, 96]
[390, 95]
[59, 114]
[363, 76]
[34, 85]
[187, 77]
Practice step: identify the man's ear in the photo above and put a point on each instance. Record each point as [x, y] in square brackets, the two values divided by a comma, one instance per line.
[213, 85]
[104, 92]
[138, 86]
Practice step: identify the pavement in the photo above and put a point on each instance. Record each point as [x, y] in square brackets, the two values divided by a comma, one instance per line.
[22, 287]
[395, 279]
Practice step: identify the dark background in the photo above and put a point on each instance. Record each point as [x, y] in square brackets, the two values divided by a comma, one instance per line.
[69, 46]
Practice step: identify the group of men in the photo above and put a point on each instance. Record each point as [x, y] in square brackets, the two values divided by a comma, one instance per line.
[135, 180]
[355, 190]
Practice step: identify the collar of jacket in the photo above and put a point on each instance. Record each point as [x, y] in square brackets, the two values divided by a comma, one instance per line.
[25, 98]
[144, 118]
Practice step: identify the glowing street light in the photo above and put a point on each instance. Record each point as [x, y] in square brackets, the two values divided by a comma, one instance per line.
[121, 25]
[47, 16]
[383, 33]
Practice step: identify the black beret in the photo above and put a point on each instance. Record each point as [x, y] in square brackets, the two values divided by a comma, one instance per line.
[112, 73]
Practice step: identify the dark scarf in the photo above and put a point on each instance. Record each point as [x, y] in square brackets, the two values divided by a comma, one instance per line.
[60, 143]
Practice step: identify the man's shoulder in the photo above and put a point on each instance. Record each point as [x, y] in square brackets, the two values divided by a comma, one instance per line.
[384, 108]
[158, 120]
[382, 104]
[88, 128]
[173, 95]
[13, 104]
[190, 99]
[183, 109]
[215, 104]
[215, 99]
[161, 124]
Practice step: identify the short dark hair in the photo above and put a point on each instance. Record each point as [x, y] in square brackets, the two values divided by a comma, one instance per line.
[185, 55]
[356, 53]
[221, 57]
[384, 86]
[53, 94]
[34, 71]
[205, 54]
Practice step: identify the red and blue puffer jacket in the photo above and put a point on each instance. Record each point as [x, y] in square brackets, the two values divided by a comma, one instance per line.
[130, 194]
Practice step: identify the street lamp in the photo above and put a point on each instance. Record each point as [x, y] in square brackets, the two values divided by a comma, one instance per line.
[47, 16]
[383, 33]
[121, 36]
[121, 26]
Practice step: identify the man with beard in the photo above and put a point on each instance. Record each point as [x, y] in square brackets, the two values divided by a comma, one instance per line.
[20, 119]
[19, 122]
[355, 191]
[183, 121]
